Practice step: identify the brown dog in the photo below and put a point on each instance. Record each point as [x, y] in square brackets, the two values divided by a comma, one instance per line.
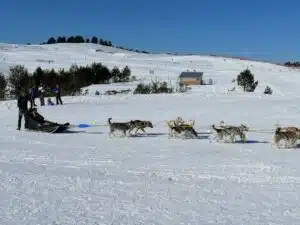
[290, 136]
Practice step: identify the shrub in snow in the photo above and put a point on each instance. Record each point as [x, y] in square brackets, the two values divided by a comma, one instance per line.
[133, 78]
[111, 92]
[160, 87]
[246, 80]
[268, 91]
[155, 87]
[114, 92]
[142, 89]
[125, 91]
[86, 92]
[183, 88]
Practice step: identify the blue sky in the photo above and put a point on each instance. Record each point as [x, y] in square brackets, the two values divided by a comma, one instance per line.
[261, 29]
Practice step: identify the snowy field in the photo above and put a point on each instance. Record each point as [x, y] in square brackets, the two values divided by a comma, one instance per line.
[85, 177]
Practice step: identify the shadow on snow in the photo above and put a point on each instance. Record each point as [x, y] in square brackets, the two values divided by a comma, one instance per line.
[252, 142]
[147, 135]
[79, 131]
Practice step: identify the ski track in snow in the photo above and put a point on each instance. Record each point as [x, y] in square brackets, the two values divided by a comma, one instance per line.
[85, 177]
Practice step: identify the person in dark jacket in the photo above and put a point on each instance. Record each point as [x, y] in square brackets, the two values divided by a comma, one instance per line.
[32, 95]
[23, 99]
[57, 92]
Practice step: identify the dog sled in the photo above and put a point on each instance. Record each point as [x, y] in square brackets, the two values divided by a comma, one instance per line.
[36, 122]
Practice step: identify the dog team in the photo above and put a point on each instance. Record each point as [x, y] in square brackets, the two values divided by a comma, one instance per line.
[226, 133]
[176, 127]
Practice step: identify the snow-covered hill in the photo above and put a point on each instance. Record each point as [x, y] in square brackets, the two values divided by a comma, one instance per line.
[166, 67]
[85, 177]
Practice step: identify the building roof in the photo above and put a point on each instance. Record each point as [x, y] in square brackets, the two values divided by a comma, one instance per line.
[191, 74]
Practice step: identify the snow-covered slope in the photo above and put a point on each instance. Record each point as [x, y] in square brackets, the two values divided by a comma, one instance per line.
[166, 67]
[85, 177]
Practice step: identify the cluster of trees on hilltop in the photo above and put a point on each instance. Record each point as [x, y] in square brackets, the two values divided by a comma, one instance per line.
[78, 39]
[94, 40]
[70, 80]
[292, 64]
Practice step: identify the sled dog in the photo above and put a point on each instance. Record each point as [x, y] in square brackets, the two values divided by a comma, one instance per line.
[222, 133]
[170, 124]
[236, 130]
[292, 129]
[140, 125]
[179, 122]
[124, 127]
[289, 136]
[182, 129]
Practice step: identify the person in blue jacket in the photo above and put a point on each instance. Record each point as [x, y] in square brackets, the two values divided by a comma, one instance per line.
[57, 92]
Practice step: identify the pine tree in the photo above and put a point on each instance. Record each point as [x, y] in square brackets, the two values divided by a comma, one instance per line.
[245, 79]
[126, 73]
[18, 76]
[94, 40]
[116, 74]
[51, 40]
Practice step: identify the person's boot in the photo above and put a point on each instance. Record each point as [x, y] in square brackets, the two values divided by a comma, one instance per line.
[26, 124]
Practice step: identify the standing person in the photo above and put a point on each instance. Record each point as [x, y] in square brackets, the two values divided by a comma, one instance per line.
[32, 97]
[23, 99]
[42, 94]
[57, 91]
